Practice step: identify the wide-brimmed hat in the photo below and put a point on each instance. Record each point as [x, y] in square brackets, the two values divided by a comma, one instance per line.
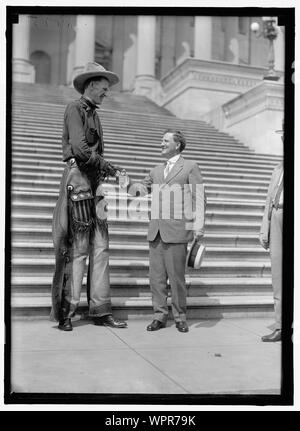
[195, 254]
[94, 70]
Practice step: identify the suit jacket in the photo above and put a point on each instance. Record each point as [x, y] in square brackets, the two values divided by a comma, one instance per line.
[178, 202]
[265, 226]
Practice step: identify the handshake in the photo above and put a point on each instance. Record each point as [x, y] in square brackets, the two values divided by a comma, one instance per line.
[122, 178]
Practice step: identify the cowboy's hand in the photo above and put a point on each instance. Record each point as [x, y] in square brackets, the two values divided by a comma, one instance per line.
[123, 179]
[119, 170]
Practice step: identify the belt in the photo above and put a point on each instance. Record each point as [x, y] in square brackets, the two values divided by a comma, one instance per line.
[71, 162]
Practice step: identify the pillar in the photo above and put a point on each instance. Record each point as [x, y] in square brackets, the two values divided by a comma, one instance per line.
[279, 53]
[203, 38]
[84, 42]
[145, 68]
[23, 70]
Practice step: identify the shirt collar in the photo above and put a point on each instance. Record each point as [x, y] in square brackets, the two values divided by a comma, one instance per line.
[173, 159]
[88, 103]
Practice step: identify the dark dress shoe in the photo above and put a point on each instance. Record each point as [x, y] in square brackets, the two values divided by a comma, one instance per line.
[182, 326]
[109, 321]
[65, 325]
[156, 325]
[272, 338]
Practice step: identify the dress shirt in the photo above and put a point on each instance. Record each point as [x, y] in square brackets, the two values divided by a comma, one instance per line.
[170, 163]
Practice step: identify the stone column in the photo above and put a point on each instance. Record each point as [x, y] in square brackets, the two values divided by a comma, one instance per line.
[22, 69]
[84, 42]
[203, 38]
[279, 51]
[145, 71]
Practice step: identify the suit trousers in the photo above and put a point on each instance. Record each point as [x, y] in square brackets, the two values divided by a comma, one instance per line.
[167, 261]
[276, 261]
[95, 245]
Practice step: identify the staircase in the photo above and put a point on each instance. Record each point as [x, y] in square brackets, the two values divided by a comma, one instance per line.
[235, 276]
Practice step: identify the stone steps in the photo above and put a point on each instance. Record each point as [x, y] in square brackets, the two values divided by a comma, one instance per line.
[132, 146]
[131, 286]
[140, 267]
[118, 128]
[141, 251]
[23, 233]
[213, 205]
[51, 196]
[245, 227]
[225, 171]
[38, 93]
[139, 156]
[36, 181]
[38, 173]
[52, 187]
[139, 150]
[136, 307]
[135, 211]
[235, 276]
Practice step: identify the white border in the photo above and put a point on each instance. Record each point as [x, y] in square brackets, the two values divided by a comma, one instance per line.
[150, 3]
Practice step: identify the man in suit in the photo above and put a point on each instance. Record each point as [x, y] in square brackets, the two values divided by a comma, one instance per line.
[271, 238]
[177, 214]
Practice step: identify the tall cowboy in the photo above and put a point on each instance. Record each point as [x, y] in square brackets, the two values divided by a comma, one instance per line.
[79, 220]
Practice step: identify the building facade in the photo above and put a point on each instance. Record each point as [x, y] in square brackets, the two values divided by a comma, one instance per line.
[57, 46]
[174, 60]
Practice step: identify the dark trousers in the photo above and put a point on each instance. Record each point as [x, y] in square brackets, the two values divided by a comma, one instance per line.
[167, 261]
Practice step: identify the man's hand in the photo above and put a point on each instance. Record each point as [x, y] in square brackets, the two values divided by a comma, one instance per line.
[264, 243]
[198, 236]
[122, 178]
[118, 170]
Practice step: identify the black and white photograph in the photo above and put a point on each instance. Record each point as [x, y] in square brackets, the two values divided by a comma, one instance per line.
[149, 205]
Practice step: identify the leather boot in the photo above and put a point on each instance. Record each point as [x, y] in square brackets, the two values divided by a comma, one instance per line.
[65, 325]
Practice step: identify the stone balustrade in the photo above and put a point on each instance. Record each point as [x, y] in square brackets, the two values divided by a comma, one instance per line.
[253, 116]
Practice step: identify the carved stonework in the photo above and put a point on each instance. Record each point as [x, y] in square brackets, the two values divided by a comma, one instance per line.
[259, 110]
[223, 79]
[257, 99]
[214, 71]
[276, 103]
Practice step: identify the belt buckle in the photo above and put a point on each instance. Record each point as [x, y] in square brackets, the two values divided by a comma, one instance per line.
[71, 161]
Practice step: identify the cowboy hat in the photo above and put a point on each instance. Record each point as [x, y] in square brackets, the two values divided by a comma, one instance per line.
[93, 70]
[195, 254]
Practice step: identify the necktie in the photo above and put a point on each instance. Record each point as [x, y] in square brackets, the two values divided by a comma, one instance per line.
[167, 169]
[278, 193]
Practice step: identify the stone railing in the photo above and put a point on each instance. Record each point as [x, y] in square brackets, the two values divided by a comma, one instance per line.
[253, 116]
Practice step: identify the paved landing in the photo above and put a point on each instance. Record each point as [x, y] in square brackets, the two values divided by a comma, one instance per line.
[215, 357]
